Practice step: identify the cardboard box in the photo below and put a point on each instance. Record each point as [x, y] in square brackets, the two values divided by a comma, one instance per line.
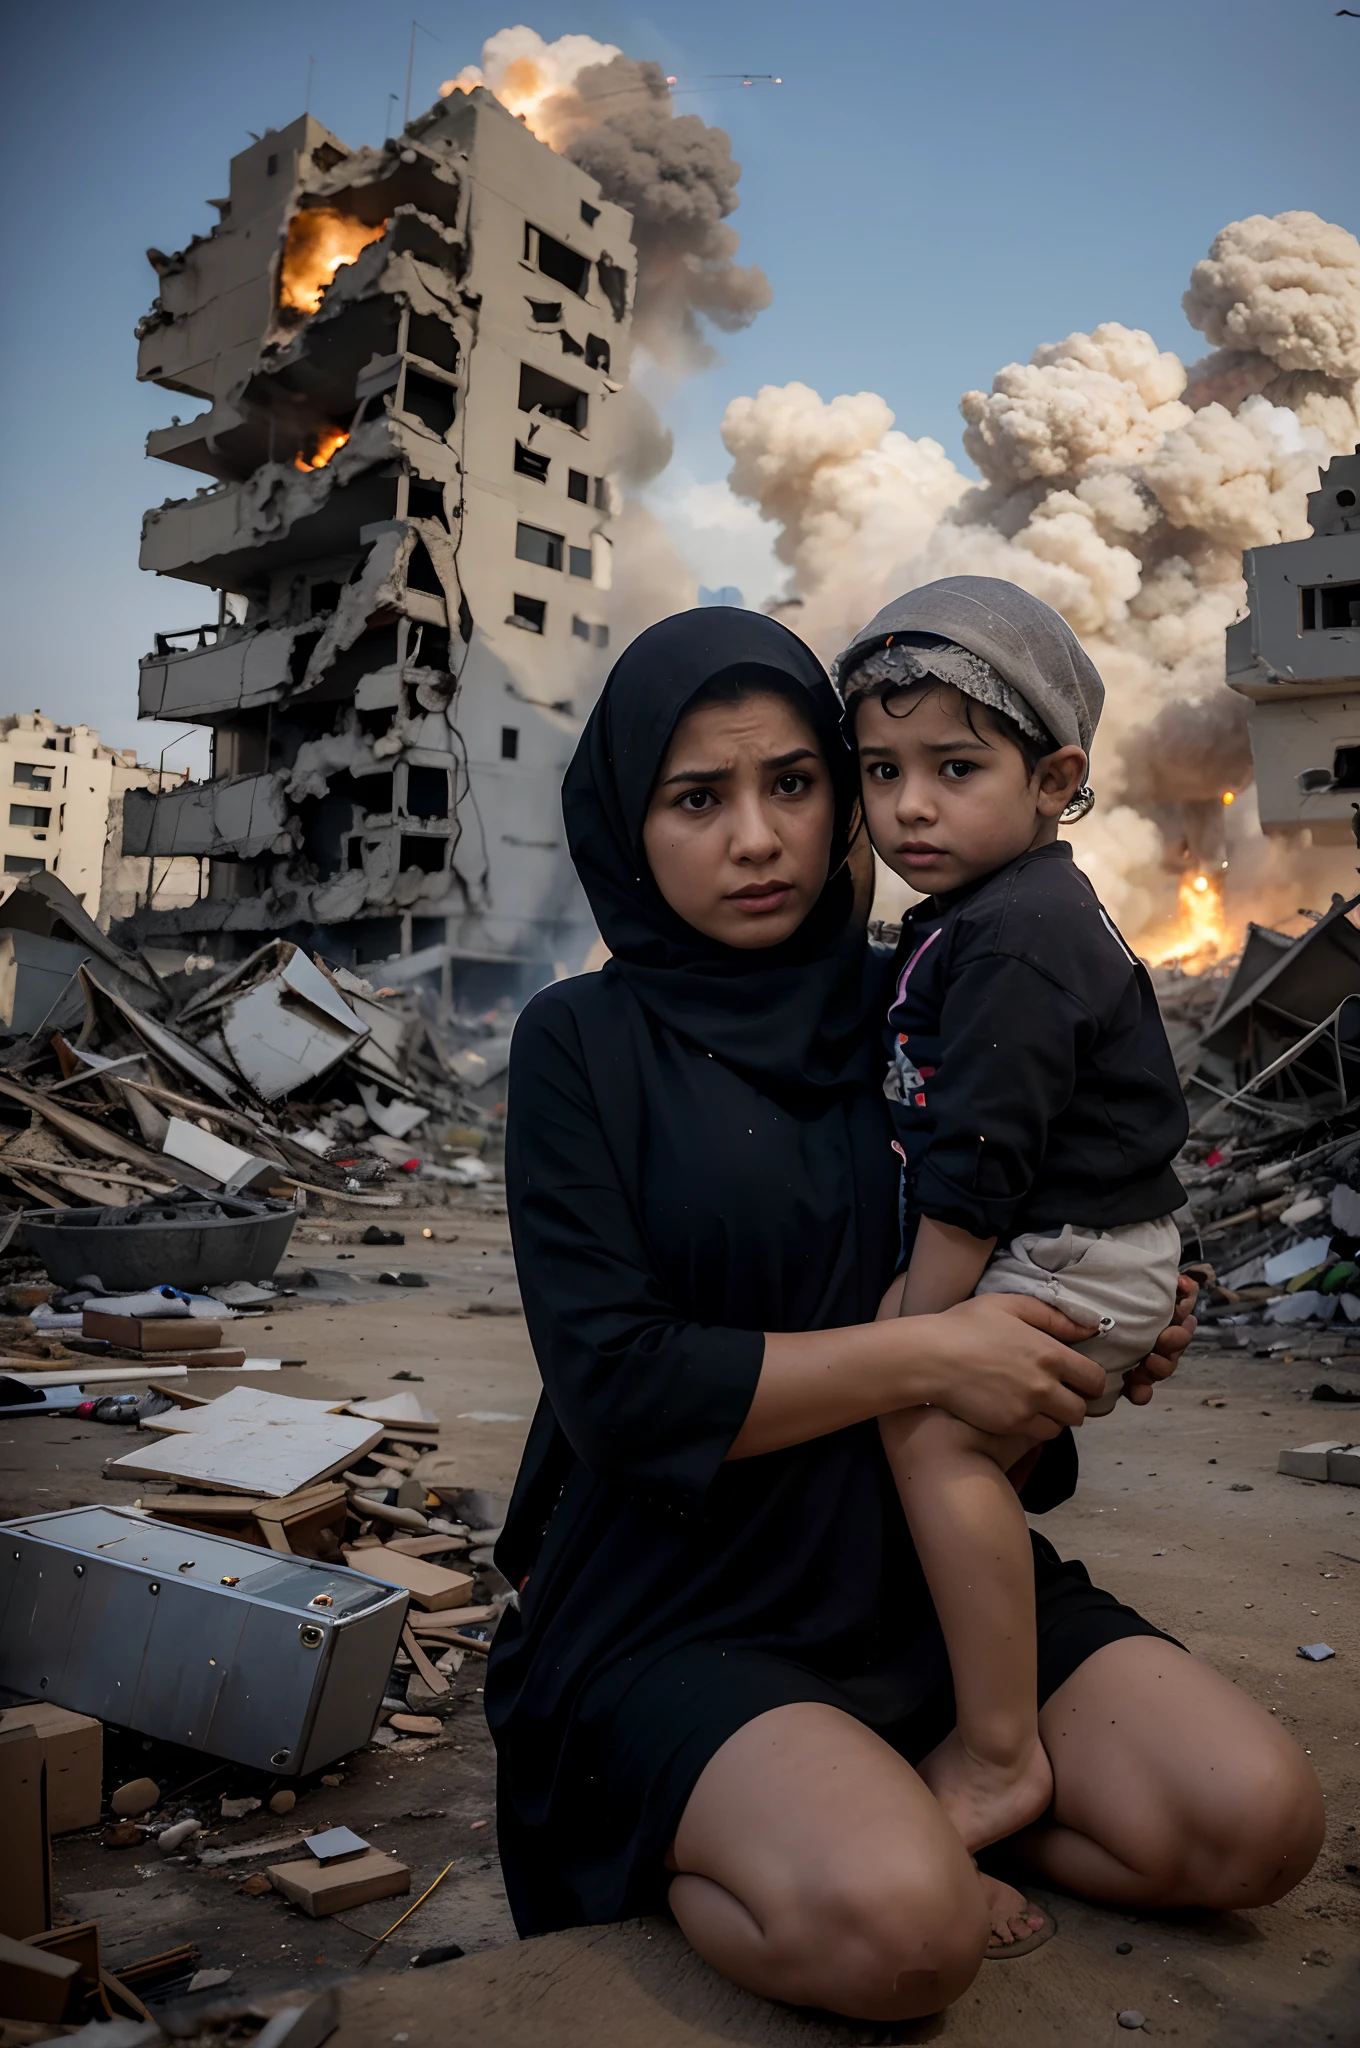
[73, 1750]
[26, 1865]
[35, 1985]
[152, 1333]
[321, 1888]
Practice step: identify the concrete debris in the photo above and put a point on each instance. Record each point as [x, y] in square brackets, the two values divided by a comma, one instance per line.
[1270, 1050]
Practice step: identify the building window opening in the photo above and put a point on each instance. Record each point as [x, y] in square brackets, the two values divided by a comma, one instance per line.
[377, 720]
[614, 284]
[373, 794]
[602, 494]
[547, 312]
[429, 400]
[354, 853]
[581, 629]
[530, 613]
[1346, 768]
[424, 853]
[536, 544]
[578, 486]
[1329, 607]
[24, 864]
[557, 261]
[271, 165]
[597, 353]
[570, 345]
[580, 562]
[552, 397]
[29, 814]
[602, 636]
[27, 776]
[427, 792]
[509, 743]
[1345, 499]
[420, 572]
[322, 597]
[424, 501]
[528, 462]
[428, 337]
[589, 214]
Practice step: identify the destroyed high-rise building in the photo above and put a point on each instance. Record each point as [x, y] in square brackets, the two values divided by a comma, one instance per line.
[1296, 657]
[409, 356]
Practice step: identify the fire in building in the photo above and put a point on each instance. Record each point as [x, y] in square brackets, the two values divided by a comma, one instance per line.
[409, 357]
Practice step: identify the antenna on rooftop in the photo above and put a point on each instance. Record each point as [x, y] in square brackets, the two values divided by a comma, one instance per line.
[411, 63]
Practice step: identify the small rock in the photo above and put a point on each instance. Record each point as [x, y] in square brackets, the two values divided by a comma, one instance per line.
[382, 1738]
[208, 1980]
[170, 1839]
[283, 1802]
[332, 1779]
[1123, 1948]
[255, 1886]
[447, 1952]
[1238, 1486]
[1320, 1958]
[418, 1724]
[395, 1278]
[139, 1795]
[124, 1834]
[1132, 2020]
[237, 1809]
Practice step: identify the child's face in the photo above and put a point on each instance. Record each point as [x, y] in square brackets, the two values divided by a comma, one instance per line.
[946, 803]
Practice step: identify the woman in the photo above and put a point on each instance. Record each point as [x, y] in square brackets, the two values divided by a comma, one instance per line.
[725, 1663]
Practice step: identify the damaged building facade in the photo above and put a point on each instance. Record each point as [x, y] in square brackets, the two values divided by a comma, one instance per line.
[1296, 658]
[409, 356]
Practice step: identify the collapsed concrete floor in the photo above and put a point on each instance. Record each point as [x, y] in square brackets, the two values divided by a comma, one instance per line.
[1242, 1577]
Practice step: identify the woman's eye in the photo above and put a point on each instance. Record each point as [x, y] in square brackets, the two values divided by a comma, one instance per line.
[695, 801]
[958, 771]
[792, 784]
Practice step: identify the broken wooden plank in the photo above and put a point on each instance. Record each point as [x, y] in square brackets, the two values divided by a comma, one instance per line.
[242, 1404]
[433, 1680]
[294, 1525]
[77, 1375]
[254, 1458]
[424, 1546]
[449, 1623]
[97, 1138]
[429, 1585]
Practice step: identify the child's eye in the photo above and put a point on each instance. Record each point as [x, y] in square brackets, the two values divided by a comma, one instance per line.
[696, 802]
[958, 771]
[882, 771]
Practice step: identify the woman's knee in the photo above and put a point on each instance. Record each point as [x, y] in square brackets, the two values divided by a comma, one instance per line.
[886, 1944]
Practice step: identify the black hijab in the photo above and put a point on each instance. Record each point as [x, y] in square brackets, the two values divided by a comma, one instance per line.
[797, 1016]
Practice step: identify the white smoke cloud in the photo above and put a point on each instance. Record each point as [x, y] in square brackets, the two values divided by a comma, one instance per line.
[1118, 487]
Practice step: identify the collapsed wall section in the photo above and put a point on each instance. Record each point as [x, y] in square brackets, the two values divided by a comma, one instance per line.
[409, 357]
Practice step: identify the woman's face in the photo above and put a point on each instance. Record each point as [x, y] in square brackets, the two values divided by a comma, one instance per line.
[738, 832]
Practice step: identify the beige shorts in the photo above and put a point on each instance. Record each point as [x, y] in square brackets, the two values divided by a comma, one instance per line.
[1124, 1279]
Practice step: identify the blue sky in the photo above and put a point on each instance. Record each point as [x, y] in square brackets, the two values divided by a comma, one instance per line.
[932, 191]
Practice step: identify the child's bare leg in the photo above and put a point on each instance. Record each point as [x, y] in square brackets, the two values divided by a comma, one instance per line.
[990, 1774]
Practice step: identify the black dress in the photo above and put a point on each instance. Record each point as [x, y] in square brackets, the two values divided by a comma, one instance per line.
[696, 1155]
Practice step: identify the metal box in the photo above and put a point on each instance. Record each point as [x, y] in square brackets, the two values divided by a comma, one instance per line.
[277, 1662]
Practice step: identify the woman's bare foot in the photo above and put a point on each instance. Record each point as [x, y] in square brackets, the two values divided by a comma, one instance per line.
[987, 1801]
[1012, 1916]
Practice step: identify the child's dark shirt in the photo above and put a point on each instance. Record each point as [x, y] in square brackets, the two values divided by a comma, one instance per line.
[1034, 1082]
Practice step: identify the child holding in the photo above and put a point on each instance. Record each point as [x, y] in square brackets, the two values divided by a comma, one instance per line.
[1034, 1098]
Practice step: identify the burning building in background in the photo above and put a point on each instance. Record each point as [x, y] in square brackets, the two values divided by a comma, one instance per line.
[412, 358]
[1123, 487]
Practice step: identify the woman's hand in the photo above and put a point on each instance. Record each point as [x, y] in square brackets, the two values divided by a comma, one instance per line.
[1141, 1384]
[1004, 1365]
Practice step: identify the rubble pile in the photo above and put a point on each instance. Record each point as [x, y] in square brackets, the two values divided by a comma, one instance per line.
[123, 1091]
[1272, 1167]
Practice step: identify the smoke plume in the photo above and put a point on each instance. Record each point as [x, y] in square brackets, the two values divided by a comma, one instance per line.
[1115, 485]
[614, 116]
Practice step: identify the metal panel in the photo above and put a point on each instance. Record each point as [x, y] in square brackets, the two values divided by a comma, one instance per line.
[193, 1638]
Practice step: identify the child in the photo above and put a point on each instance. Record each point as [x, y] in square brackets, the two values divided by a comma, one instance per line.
[1034, 1098]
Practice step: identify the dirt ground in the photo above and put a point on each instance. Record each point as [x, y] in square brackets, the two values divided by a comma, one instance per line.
[1180, 1511]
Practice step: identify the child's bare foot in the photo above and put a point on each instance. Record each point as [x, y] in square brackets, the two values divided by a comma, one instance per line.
[987, 1801]
[1012, 1916]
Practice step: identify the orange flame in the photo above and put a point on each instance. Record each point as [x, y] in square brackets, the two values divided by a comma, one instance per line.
[320, 242]
[329, 443]
[1200, 936]
[524, 90]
